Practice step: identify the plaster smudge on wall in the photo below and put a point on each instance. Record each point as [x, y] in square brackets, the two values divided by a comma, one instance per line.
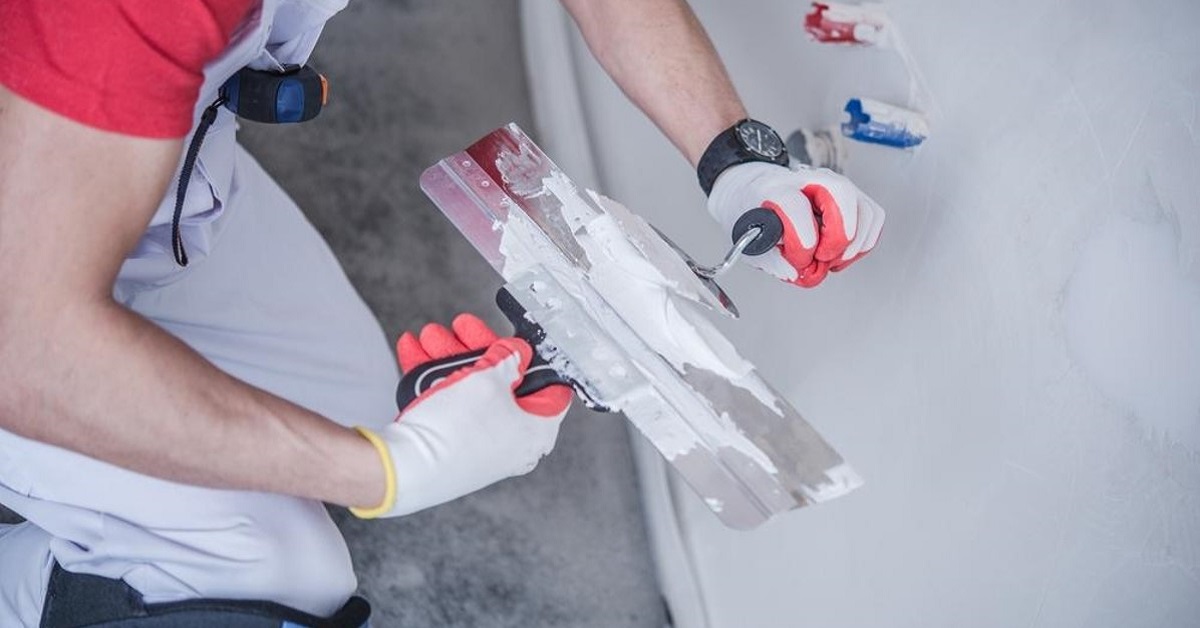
[1131, 326]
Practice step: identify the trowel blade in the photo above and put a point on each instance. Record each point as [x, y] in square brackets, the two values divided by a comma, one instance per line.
[742, 447]
[537, 187]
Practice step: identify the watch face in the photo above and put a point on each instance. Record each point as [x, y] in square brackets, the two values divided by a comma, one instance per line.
[759, 138]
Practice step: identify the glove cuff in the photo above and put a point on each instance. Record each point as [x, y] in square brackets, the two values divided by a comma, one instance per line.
[731, 196]
[389, 470]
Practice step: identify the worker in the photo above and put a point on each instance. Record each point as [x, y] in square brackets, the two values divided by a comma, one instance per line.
[175, 423]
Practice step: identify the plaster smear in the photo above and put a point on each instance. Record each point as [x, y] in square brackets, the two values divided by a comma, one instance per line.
[1133, 325]
[649, 304]
[639, 291]
[663, 312]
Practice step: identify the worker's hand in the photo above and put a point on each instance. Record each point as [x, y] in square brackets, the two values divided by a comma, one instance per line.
[828, 222]
[468, 430]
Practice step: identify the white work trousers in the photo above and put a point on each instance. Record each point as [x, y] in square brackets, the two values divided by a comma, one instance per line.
[272, 307]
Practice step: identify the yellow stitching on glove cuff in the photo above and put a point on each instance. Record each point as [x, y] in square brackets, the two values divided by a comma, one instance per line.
[389, 494]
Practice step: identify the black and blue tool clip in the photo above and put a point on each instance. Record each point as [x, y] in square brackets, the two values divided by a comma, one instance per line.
[297, 93]
[294, 95]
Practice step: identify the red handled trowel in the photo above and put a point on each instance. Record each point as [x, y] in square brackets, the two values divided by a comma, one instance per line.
[617, 311]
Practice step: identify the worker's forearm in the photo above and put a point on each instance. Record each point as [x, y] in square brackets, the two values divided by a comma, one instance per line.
[100, 380]
[660, 56]
[81, 372]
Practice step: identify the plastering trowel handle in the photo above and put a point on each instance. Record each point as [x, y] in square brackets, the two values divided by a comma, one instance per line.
[770, 230]
[539, 375]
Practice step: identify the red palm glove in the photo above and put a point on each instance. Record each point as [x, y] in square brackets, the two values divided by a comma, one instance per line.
[828, 223]
[471, 334]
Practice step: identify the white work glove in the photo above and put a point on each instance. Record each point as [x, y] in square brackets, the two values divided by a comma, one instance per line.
[469, 430]
[828, 223]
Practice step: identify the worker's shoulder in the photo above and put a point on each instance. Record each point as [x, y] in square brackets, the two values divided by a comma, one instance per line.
[130, 66]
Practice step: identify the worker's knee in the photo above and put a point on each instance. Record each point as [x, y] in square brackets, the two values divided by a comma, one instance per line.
[278, 549]
[301, 561]
[24, 568]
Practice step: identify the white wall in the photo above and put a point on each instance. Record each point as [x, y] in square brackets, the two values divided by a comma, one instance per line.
[1016, 369]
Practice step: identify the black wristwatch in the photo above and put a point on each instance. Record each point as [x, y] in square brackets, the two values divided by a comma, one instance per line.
[748, 140]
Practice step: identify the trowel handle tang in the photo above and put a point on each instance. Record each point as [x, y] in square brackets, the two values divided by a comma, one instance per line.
[527, 328]
[770, 230]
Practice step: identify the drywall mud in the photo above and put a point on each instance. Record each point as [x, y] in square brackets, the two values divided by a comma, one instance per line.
[1015, 370]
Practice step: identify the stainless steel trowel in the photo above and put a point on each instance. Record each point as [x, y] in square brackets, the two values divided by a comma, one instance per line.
[741, 446]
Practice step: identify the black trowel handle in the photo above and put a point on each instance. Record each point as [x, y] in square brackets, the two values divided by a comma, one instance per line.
[764, 219]
[539, 375]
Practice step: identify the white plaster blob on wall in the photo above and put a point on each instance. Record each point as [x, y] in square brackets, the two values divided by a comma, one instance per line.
[1132, 325]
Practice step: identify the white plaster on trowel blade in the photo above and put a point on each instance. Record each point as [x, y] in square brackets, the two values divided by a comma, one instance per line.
[576, 212]
[842, 479]
[639, 294]
[636, 290]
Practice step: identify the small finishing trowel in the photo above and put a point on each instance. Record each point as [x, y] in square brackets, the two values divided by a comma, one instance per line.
[613, 309]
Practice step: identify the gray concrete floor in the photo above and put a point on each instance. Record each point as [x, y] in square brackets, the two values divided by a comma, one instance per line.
[412, 81]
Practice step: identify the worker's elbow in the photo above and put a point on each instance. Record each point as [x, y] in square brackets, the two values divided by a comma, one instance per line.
[18, 371]
[12, 386]
[11, 379]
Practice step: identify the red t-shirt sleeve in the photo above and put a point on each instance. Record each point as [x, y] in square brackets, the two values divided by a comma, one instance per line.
[130, 66]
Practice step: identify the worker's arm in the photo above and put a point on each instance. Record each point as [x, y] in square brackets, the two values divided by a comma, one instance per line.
[660, 56]
[79, 371]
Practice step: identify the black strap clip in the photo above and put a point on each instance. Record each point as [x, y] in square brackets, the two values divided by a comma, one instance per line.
[297, 94]
[294, 95]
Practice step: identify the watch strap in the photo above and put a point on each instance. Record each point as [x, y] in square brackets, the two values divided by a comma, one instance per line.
[726, 150]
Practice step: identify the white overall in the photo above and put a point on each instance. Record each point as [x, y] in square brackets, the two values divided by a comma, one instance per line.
[264, 300]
